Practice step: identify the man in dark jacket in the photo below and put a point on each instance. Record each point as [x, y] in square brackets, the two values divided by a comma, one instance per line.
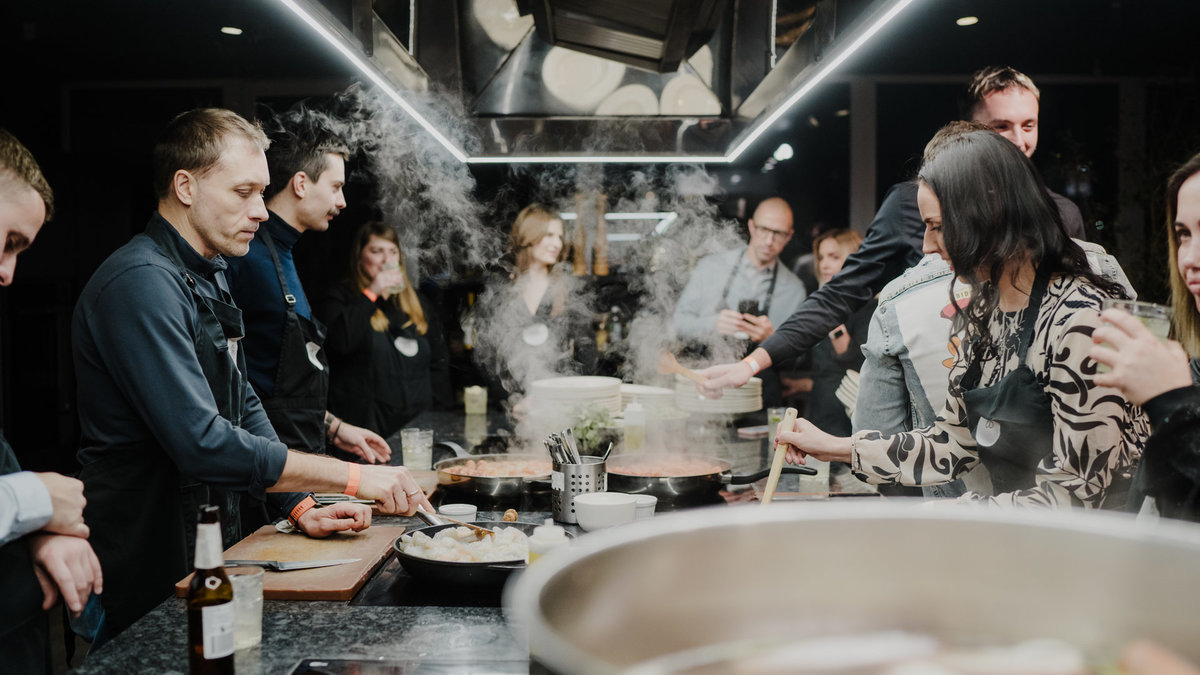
[1001, 97]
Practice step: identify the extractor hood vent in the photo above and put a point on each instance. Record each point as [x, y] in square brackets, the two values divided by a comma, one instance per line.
[654, 35]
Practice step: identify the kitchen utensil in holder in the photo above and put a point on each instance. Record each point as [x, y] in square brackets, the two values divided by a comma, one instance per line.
[568, 480]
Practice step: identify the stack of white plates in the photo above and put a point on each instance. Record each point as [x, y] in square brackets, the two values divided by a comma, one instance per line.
[744, 399]
[565, 396]
[649, 397]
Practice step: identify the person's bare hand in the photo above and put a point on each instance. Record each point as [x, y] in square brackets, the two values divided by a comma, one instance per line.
[1149, 658]
[1142, 365]
[394, 488]
[805, 439]
[362, 442]
[759, 328]
[728, 322]
[393, 278]
[66, 495]
[322, 522]
[723, 376]
[67, 565]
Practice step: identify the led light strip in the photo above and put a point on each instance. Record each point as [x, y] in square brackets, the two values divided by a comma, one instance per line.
[761, 125]
[347, 51]
[758, 129]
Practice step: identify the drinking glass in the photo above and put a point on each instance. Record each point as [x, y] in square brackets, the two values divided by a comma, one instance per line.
[247, 605]
[418, 448]
[774, 417]
[1156, 318]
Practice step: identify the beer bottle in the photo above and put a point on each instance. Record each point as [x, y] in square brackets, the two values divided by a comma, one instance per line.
[210, 601]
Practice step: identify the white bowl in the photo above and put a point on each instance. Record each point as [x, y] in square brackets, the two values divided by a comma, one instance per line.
[596, 510]
[463, 512]
[645, 506]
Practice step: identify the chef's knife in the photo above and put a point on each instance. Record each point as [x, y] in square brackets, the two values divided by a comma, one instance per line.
[287, 566]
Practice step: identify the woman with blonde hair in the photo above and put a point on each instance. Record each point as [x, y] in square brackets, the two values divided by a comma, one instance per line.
[387, 355]
[841, 350]
[535, 326]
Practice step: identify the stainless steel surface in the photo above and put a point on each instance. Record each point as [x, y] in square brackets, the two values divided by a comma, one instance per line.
[495, 62]
[288, 566]
[969, 575]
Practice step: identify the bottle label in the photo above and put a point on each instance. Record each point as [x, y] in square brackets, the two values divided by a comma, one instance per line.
[208, 546]
[217, 621]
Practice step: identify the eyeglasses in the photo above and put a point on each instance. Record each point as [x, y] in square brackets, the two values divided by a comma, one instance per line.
[770, 234]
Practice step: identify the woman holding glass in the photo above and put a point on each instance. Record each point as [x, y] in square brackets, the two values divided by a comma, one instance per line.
[1023, 397]
[1155, 374]
[387, 356]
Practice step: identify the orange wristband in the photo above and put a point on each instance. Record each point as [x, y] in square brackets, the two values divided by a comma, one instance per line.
[352, 481]
[300, 509]
[753, 363]
[371, 295]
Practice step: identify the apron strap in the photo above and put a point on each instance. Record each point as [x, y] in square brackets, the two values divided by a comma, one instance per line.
[1041, 282]
[737, 266]
[290, 299]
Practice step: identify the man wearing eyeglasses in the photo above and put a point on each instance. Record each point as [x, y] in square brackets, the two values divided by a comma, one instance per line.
[739, 296]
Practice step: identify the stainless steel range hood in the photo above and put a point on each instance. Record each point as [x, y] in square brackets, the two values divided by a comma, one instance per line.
[742, 65]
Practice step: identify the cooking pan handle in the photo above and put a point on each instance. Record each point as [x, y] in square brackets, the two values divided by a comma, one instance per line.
[759, 475]
[452, 447]
[430, 518]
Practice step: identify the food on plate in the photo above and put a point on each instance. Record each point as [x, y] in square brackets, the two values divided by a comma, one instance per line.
[510, 516]
[458, 544]
[672, 465]
[501, 467]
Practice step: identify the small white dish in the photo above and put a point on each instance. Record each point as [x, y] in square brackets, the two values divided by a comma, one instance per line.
[645, 506]
[463, 512]
[597, 510]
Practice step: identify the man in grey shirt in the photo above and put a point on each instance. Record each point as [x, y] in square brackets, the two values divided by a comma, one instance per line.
[722, 285]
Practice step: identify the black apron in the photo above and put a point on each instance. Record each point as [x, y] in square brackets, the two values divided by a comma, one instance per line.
[24, 629]
[297, 408]
[142, 512]
[1011, 421]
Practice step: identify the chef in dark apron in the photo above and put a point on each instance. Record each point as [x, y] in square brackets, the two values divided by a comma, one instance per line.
[284, 342]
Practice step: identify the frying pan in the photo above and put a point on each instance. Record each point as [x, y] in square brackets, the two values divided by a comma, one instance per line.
[490, 488]
[694, 487]
[462, 574]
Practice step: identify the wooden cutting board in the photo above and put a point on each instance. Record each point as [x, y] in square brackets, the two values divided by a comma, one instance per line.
[338, 582]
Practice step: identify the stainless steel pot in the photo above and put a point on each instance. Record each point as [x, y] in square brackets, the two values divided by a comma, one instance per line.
[498, 489]
[721, 576]
[670, 489]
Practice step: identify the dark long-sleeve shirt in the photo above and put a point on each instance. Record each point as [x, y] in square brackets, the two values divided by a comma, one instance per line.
[255, 288]
[139, 379]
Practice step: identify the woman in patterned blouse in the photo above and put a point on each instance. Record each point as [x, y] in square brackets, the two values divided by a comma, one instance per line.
[986, 212]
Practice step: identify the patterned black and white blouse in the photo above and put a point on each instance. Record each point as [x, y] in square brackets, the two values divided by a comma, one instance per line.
[1097, 433]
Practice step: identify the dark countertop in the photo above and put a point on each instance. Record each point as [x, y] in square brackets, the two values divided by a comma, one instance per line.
[453, 637]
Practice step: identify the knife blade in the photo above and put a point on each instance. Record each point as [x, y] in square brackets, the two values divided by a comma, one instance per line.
[288, 565]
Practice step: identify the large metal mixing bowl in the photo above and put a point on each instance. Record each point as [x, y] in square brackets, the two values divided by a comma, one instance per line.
[971, 576]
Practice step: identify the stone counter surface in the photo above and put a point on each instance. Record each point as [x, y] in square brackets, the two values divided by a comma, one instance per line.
[296, 630]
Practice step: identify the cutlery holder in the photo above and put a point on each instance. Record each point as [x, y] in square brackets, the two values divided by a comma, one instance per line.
[569, 480]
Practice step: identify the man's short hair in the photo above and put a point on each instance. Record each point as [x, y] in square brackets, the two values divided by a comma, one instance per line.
[17, 163]
[299, 142]
[947, 133]
[194, 140]
[993, 79]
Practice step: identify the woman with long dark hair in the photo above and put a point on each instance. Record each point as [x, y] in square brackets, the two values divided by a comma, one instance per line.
[387, 357]
[1156, 374]
[1023, 397]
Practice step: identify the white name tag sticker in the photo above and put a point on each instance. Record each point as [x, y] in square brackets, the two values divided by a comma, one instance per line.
[406, 346]
[987, 432]
[313, 349]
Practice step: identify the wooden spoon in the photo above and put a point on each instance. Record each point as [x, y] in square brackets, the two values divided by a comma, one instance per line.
[789, 418]
[668, 365]
[432, 519]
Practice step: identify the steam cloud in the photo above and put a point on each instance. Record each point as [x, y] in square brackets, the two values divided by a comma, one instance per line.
[429, 197]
